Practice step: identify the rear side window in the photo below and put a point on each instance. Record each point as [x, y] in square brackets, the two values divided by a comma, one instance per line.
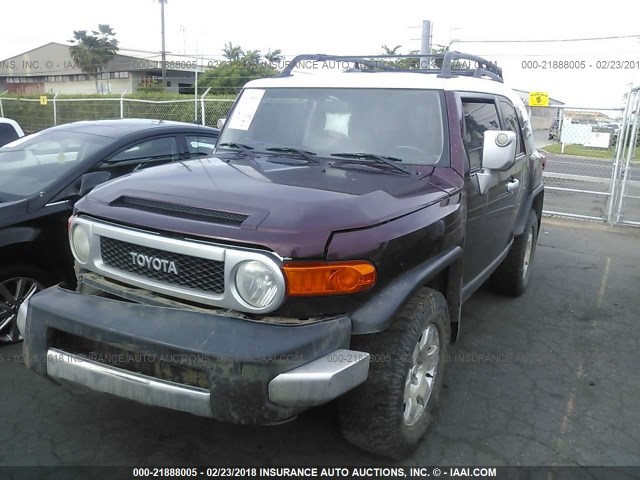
[7, 134]
[511, 123]
[479, 116]
[200, 145]
[150, 149]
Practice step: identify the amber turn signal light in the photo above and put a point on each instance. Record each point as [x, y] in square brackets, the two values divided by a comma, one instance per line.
[334, 278]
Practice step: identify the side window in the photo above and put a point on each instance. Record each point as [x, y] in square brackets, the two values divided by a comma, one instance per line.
[479, 116]
[159, 148]
[511, 123]
[7, 134]
[200, 145]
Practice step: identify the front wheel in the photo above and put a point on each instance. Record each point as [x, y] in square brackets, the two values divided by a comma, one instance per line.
[390, 412]
[16, 284]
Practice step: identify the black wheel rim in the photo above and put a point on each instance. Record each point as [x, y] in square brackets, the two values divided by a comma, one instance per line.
[13, 292]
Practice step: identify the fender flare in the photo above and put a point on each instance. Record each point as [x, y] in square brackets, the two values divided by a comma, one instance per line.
[526, 207]
[377, 314]
[15, 235]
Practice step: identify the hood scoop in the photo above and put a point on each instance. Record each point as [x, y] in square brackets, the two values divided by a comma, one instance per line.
[182, 211]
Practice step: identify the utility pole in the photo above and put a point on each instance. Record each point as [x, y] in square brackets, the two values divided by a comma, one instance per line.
[183, 29]
[164, 52]
[425, 46]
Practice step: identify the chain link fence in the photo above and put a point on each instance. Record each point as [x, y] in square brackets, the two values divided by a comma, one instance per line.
[584, 169]
[29, 113]
[625, 205]
[179, 110]
[35, 114]
[74, 110]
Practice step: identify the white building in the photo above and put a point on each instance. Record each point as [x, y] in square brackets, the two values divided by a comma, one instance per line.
[49, 69]
[542, 117]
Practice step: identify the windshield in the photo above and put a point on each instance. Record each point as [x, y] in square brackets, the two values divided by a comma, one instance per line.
[405, 124]
[30, 164]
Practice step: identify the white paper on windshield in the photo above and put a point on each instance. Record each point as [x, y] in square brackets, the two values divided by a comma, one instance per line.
[246, 109]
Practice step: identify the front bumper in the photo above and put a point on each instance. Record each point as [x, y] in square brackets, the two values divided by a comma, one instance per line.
[230, 369]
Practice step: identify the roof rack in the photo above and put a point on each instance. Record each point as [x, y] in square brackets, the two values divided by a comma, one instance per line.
[373, 63]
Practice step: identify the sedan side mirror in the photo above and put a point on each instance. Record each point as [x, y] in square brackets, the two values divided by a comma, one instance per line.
[90, 180]
[220, 123]
[499, 150]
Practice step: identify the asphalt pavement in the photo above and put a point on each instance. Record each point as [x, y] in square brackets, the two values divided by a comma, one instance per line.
[550, 378]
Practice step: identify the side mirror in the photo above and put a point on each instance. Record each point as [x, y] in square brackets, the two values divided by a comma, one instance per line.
[90, 180]
[220, 123]
[499, 150]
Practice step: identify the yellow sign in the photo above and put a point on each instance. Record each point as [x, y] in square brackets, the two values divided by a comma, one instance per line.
[43, 99]
[538, 99]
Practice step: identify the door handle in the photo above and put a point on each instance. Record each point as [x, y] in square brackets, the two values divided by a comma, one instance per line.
[513, 184]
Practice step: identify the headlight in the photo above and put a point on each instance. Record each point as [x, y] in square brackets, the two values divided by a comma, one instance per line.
[80, 245]
[256, 283]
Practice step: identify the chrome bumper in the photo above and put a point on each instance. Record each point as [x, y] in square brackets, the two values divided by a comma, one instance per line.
[311, 384]
[321, 380]
[134, 386]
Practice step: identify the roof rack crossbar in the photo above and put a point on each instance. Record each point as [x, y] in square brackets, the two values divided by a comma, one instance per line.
[481, 72]
[485, 68]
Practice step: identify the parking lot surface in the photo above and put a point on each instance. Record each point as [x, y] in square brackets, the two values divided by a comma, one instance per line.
[550, 378]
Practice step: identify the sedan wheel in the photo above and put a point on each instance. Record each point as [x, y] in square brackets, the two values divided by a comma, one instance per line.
[13, 292]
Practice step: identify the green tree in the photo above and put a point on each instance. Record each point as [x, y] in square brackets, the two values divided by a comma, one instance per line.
[232, 53]
[92, 52]
[402, 63]
[441, 51]
[273, 57]
[391, 51]
[231, 76]
[251, 57]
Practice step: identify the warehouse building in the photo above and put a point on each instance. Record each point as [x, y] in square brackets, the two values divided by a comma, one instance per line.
[50, 69]
[542, 117]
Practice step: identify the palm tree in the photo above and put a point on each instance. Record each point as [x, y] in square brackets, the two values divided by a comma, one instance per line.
[92, 52]
[404, 63]
[391, 51]
[232, 53]
[252, 57]
[273, 56]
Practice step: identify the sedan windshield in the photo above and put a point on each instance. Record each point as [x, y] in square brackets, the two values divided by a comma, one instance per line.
[30, 164]
[404, 124]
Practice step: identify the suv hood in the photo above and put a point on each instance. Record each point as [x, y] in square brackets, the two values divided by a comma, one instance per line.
[280, 202]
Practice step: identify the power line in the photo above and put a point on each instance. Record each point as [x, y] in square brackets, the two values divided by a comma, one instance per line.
[586, 39]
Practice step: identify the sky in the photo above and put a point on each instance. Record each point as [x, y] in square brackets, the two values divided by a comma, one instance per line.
[360, 27]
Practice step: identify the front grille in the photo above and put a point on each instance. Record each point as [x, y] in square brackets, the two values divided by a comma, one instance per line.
[183, 211]
[171, 268]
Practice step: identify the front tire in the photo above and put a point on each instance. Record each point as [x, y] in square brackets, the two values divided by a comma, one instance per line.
[17, 282]
[390, 413]
[512, 276]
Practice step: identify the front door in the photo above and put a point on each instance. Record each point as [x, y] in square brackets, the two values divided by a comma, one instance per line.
[490, 215]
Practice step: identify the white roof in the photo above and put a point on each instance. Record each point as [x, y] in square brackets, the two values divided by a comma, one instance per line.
[14, 124]
[399, 80]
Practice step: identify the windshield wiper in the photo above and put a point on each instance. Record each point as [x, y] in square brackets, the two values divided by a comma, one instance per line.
[303, 153]
[241, 146]
[391, 161]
